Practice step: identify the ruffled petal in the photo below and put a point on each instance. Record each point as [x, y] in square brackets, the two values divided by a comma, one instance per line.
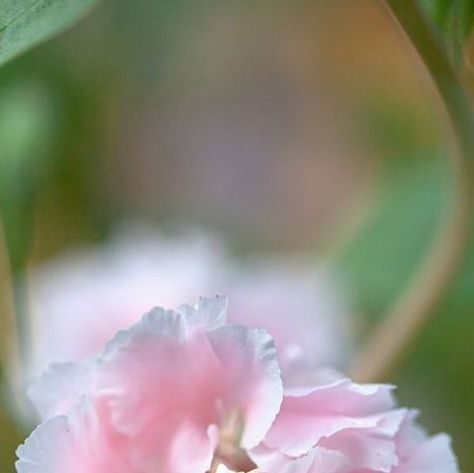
[183, 369]
[309, 414]
[433, 456]
[61, 387]
[82, 442]
[420, 454]
[318, 460]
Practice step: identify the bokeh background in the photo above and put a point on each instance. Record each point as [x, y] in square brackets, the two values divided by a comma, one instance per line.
[291, 125]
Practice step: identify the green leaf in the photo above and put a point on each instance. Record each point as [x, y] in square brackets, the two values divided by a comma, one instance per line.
[28, 118]
[25, 23]
[455, 19]
[380, 260]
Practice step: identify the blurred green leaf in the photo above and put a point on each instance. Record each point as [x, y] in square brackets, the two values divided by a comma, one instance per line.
[380, 260]
[379, 263]
[24, 23]
[27, 119]
[455, 19]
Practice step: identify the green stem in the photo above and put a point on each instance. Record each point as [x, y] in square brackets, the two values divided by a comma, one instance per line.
[410, 313]
[10, 347]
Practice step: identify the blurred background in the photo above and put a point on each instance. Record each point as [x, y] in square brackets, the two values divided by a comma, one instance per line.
[304, 125]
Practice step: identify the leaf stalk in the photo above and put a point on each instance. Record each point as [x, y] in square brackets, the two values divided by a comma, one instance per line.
[410, 313]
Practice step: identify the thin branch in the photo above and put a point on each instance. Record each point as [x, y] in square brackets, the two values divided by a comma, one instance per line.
[410, 313]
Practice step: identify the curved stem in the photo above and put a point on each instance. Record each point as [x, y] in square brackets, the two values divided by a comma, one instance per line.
[10, 343]
[412, 310]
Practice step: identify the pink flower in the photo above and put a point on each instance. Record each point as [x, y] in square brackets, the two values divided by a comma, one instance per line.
[158, 396]
[184, 392]
[79, 301]
[342, 427]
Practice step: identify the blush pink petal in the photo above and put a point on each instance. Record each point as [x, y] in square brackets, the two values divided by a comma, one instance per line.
[82, 442]
[171, 362]
[434, 455]
[358, 424]
[60, 388]
[309, 414]
[419, 453]
[317, 460]
[171, 381]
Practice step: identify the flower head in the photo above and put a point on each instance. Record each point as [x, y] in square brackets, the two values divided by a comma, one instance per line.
[341, 426]
[161, 393]
[182, 392]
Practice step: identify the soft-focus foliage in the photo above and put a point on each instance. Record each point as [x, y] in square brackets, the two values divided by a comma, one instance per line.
[24, 23]
[455, 19]
[28, 117]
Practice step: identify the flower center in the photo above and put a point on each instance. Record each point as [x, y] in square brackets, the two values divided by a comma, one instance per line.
[228, 451]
